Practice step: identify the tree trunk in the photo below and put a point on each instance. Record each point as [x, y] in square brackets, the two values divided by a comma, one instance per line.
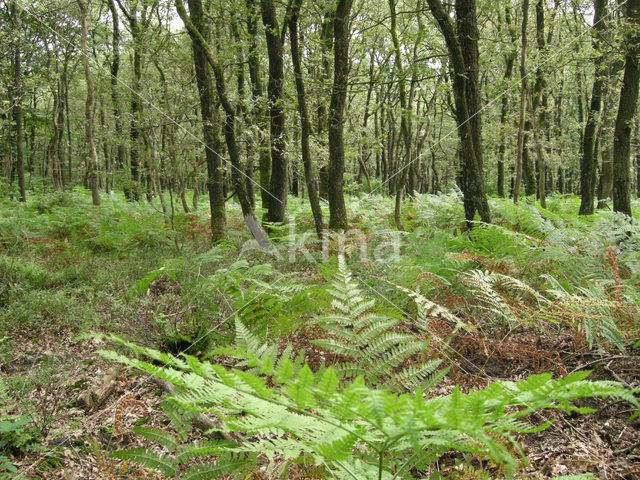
[115, 102]
[134, 129]
[341, 36]
[17, 103]
[213, 143]
[279, 184]
[605, 136]
[305, 125]
[523, 102]
[237, 174]
[326, 44]
[626, 112]
[587, 163]
[95, 194]
[509, 60]
[462, 45]
[253, 61]
[539, 105]
[405, 125]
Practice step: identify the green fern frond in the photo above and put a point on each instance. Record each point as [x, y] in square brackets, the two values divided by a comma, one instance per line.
[427, 309]
[218, 469]
[148, 459]
[160, 437]
[426, 376]
[366, 341]
[202, 448]
[314, 414]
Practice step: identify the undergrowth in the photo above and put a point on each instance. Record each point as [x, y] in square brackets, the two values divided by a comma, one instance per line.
[338, 379]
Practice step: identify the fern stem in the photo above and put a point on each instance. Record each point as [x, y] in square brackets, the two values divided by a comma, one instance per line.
[404, 466]
[346, 469]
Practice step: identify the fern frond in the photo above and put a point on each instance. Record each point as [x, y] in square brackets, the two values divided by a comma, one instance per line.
[367, 340]
[202, 448]
[316, 415]
[149, 459]
[218, 469]
[160, 437]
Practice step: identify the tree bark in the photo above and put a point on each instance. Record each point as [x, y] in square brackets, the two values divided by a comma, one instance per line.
[539, 105]
[626, 112]
[17, 103]
[213, 143]
[114, 70]
[237, 174]
[509, 60]
[93, 168]
[523, 102]
[462, 45]
[279, 183]
[341, 36]
[326, 45]
[405, 126]
[587, 164]
[305, 124]
[134, 128]
[257, 92]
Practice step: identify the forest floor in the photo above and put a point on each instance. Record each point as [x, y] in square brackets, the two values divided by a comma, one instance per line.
[69, 270]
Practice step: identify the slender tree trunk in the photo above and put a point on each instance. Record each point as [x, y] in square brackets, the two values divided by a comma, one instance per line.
[52, 149]
[637, 140]
[341, 36]
[136, 117]
[229, 124]
[509, 60]
[68, 125]
[213, 143]
[305, 124]
[405, 126]
[62, 98]
[257, 92]
[108, 174]
[115, 102]
[523, 102]
[539, 105]
[138, 25]
[462, 45]
[605, 142]
[17, 103]
[95, 194]
[626, 112]
[279, 185]
[326, 44]
[587, 163]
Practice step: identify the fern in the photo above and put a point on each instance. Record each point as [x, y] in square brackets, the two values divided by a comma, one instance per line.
[589, 311]
[356, 431]
[488, 287]
[428, 309]
[369, 343]
[252, 353]
[174, 464]
[148, 459]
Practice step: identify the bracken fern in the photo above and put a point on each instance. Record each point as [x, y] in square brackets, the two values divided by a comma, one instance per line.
[371, 344]
[355, 431]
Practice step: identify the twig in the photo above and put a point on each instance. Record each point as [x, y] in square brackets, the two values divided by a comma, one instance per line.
[628, 449]
[599, 360]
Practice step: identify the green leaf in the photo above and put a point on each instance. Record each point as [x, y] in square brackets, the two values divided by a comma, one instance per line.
[149, 459]
[158, 436]
[216, 470]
